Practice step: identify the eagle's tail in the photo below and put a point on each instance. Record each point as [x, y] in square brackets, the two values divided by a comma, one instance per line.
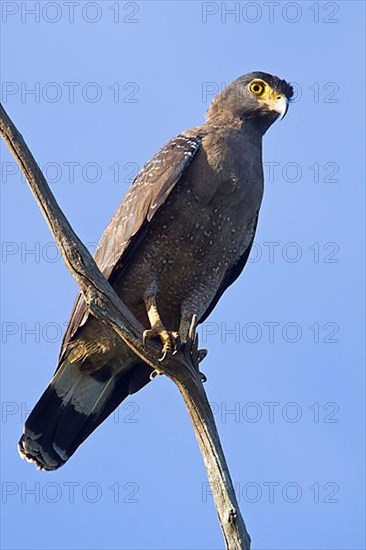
[72, 406]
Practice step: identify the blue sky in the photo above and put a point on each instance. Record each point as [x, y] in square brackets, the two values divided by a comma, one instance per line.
[112, 81]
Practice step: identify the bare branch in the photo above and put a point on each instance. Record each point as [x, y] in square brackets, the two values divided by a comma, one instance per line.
[103, 303]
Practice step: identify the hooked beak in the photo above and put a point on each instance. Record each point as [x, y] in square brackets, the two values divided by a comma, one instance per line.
[280, 105]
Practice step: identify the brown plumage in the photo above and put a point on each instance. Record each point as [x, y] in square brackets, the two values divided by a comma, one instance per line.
[179, 238]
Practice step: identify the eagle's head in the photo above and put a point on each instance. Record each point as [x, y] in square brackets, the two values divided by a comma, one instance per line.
[257, 96]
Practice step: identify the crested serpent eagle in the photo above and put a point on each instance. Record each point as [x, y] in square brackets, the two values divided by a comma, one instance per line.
[180, 237]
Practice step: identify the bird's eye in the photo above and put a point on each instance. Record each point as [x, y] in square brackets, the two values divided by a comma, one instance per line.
[257, 88]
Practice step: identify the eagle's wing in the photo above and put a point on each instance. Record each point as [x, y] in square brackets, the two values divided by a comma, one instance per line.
[147, 193]
[236, 268]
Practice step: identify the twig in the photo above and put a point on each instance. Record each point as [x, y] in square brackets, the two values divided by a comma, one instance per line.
[103, 303]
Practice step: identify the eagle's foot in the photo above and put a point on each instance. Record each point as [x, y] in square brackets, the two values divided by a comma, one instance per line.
[169, 339]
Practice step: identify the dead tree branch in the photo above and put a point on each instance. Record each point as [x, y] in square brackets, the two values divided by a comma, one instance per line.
[103, 303]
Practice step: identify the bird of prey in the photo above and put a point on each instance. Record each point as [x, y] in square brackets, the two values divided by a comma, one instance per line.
[180, 237]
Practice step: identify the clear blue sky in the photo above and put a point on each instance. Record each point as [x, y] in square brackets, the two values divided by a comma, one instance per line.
[112, 81]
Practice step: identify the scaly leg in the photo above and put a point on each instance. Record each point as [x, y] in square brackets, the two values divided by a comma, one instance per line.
[168, 338]
[184, 326]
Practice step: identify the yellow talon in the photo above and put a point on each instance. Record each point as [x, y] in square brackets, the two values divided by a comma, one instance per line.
[168, 339]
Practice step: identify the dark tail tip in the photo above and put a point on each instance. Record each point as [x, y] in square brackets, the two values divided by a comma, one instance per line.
[32, 451]
[37, 442]
[71, 408]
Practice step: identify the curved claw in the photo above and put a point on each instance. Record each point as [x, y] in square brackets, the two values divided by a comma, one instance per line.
[154, 374]
[203, 377]
[144, 337]
[201, 354]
